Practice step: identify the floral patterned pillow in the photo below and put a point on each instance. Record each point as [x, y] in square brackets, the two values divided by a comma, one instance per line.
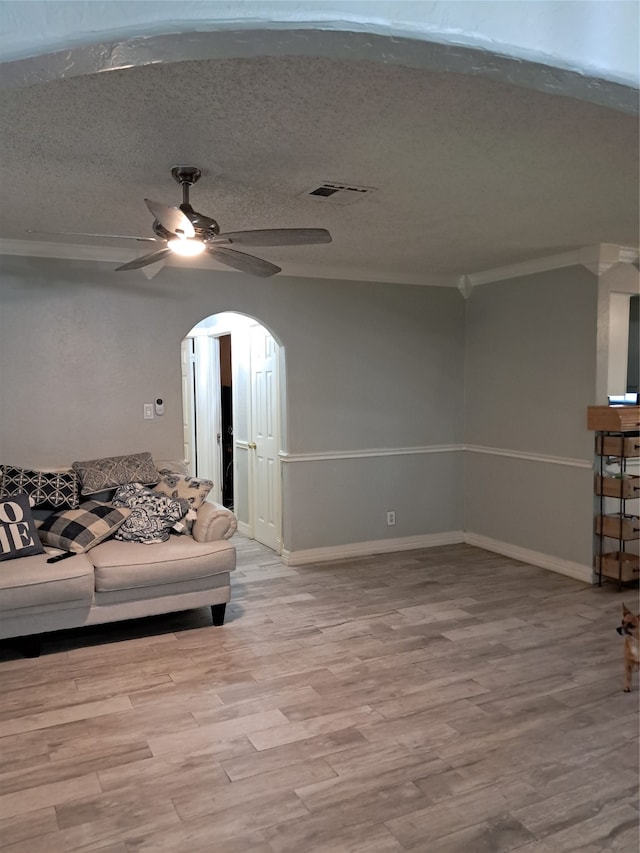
[152, 514]
[183, 487]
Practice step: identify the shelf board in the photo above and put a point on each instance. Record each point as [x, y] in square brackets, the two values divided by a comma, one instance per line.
[613, 418]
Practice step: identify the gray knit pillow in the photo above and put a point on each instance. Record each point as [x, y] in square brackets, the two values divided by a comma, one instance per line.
[98, 475]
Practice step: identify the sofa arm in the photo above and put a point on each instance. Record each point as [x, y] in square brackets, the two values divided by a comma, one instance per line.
[214, 522]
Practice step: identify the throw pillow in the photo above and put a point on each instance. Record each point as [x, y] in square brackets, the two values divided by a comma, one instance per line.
[180, 486]
[184, 487]
[49, 489]
[96, 475]
[80, 529]
[152, 514]
[18, 534]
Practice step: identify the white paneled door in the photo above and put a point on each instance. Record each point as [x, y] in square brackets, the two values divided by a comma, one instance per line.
[187, 361]
[208, 419]
[265, 442]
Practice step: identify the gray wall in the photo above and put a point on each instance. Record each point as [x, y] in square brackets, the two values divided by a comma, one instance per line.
[346, 500]
[530, 375]
[369, 365]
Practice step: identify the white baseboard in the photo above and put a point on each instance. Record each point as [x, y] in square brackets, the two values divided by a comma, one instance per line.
[244, 528]
[366, 549]
[577, 571]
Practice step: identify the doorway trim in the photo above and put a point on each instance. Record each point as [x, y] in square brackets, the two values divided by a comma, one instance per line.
[239, 327]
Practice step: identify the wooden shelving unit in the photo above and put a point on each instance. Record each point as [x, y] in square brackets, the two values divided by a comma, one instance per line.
[617, 440]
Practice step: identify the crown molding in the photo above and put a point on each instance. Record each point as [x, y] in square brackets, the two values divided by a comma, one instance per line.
[597, 259]
[65, 251]
[78, 252]
[110, 254]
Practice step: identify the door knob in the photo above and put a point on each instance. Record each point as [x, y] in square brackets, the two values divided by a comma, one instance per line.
[252, 445]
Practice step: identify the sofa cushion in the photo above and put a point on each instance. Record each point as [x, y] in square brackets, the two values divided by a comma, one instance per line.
[80, 529]
[152, 515]
[18, 533]
[32, 581]
[50, 489]
[129, 565]
[96, 475]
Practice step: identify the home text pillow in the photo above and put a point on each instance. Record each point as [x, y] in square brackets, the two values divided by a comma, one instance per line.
[18, 534]
[97, 475]
[49, 489]
[80, 529]
[152, 514]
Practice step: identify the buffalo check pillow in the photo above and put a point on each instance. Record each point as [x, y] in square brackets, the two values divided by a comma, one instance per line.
[80, 529]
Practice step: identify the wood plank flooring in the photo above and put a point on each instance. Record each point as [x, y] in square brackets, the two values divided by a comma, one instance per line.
[446, 700]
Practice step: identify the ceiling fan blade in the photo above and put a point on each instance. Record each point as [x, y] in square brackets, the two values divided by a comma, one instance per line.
[81, 234]
[171, 218]
[146, 259]
[243, 262]
[277, 237]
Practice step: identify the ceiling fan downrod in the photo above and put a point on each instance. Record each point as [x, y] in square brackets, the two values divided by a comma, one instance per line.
[186, 176]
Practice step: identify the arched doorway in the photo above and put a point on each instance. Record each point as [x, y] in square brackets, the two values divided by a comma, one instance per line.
[232, 381]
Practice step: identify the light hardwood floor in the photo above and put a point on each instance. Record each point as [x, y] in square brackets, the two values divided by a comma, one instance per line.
[446, 700]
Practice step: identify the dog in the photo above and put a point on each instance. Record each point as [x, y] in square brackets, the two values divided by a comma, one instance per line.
[629, 630]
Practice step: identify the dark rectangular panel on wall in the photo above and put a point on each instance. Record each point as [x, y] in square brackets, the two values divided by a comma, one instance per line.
[633, 361]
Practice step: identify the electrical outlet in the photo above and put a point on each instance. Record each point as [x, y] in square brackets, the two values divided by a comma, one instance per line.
[148, 411]
[391, 517]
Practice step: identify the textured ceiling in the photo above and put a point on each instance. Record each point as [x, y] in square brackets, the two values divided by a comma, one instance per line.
[471, 174]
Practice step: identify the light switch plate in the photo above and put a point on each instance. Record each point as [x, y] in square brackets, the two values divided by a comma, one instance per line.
[148, 411]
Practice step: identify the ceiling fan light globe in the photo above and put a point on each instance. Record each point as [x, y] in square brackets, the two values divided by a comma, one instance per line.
[186, 248]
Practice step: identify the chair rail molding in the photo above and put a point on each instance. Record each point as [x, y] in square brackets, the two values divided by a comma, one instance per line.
[367, 453]
[332, 455]
[531, 457]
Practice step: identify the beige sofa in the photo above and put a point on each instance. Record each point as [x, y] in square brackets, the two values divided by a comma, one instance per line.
[122, 580]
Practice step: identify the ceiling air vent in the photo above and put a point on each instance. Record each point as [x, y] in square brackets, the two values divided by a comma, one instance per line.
[337, 193]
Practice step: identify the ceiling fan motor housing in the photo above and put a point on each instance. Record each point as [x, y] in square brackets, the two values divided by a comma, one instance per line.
[205, 227]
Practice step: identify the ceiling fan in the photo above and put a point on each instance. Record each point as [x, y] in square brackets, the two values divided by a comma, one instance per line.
[185, 232]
